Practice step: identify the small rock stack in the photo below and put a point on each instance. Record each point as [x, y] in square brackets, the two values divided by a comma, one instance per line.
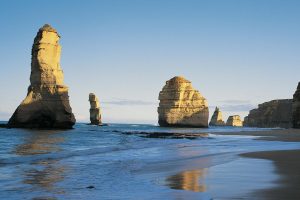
[217, 118]
[95, 114]
[181, 105]
[234, 120]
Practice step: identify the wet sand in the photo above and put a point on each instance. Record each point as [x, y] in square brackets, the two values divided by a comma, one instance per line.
[285, 135]
[287, 163]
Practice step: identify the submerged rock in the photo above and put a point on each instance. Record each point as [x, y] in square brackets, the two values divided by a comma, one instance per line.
[275, 113]
[47, 102]
[164, 134]
[95, 114]
[296, 108]
[234, 120]
[181, 105]
[217, 118]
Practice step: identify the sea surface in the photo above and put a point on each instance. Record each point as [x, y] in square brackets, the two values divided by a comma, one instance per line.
[131, 161]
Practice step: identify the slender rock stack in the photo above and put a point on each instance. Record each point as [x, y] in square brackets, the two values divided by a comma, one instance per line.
[95, 114]
[217, 118]
[181, 105]
[234, 120]
[47, 102]
[296, 108]
[275, 113]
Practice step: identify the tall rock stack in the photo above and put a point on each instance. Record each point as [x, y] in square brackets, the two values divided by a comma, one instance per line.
[234, 120]
[181, 105]
[95, 114]
[217, 118]
[47, 102]
[275, 113]
[296, 108]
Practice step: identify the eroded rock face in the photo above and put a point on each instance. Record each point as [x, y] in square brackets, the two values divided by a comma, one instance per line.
[234, 120]
[275, 113]
[296, 108]
[217, 118]
[47, 102]
[181, 105]
[95, 114]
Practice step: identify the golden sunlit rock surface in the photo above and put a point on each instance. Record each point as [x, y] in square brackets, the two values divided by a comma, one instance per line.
[217, 118]
[234, 120]
[181, 105]
[296, 108]
[47, 102]
[275, 113]
[95, 114]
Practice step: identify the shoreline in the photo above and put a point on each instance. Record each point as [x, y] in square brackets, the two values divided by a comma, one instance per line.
[283, 135]
[286, 162]
[287, 165]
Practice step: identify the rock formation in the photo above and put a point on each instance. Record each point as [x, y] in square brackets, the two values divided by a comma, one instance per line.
[296, 108]
[181, 105]
[234, 120]
[95, 114]
[47, 102]
[217, 118]
[275, 113]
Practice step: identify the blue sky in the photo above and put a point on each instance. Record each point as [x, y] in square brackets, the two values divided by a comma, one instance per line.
[237, 53]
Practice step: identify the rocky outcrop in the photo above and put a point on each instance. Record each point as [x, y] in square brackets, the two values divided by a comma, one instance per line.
[181, 105]
[296, 108]
[95, 114]
[234, 120]
[275, 113]
[47, 102]
[217, 118]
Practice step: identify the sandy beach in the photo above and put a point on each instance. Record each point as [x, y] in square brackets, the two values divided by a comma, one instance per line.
[287, 163]
[284, 135]
[287, 166]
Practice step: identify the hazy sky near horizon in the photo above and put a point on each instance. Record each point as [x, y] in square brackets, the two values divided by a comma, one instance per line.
[236, 53]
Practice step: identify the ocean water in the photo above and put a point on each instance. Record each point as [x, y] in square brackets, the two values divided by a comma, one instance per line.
[127, 161]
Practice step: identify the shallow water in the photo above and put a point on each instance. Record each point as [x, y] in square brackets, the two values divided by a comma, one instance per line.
[114, 162]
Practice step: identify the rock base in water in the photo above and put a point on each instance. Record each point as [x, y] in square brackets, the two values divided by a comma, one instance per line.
[95, 114]
[234, 120]
[47, 102]
[181, 105]
[217, 118]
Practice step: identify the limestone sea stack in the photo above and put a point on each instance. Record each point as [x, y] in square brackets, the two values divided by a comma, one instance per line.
[181, 105]
[47, 102]
[234, 120]
[217, 118]
[95, 114]
[296, 108]
[271, 114]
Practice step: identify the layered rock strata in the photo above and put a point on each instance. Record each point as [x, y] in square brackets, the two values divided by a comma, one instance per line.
[95, 114]
[181, 105]
[296, 108]
[234, 120]
[275, 113]
[217, 118]
[47, 102]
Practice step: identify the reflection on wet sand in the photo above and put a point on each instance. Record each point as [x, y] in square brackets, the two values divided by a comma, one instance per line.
[43, 173]
[188, 180]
